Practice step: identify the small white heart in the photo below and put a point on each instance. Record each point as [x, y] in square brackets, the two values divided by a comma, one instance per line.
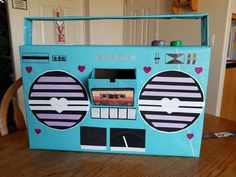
[58, 104]
[170, 106]
[59, 23]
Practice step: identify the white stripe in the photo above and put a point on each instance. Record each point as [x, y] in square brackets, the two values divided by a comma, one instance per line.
[126, 144]
[72, 102]
[127, 149]
[181, 103]
[173, 79]
[168, 125]
[57, 94]
[172, 94]
[171, 87]
[90, 147]
[161, 109]
[56, 86]
[169, 117]
[68, 108]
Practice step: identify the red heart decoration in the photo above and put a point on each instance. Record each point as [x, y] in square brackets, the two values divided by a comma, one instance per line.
[38, 131]
[198, 70]
[147, 69]
[81, 68]
[28, 69]
[190, 136]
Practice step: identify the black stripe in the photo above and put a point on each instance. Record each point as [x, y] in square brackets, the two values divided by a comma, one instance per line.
[40, 104]
[190, 106]
[60, 127]
[55, 112]
[168, 129]
[172, 74]
[35, 57]
[55, 90]
[150, 105]
[58, 74]
[77, 104]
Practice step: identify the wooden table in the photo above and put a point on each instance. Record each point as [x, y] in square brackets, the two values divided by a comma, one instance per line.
[218, 158]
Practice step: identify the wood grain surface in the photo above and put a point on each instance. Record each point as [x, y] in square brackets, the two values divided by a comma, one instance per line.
[218, 158]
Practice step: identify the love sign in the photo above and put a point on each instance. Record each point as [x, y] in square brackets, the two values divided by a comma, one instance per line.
[59, 26]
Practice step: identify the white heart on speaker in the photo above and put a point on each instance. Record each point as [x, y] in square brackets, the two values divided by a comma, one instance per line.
[59, 23]
[58, 104]
[170, 106]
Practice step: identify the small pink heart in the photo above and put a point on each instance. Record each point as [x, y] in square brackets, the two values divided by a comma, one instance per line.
[147, 69]
[198, 70]
[28, 69]
[81, 68]
[190, 136]
[37, 130]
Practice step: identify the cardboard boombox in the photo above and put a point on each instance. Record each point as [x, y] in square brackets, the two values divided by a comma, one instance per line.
[116, 99]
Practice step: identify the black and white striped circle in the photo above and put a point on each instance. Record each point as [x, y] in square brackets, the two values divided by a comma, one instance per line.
[58, 100]
[171, 101]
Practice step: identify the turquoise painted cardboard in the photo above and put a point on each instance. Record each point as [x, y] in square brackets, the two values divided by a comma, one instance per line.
[169, 95]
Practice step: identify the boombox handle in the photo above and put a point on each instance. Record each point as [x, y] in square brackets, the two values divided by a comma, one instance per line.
[204, 22]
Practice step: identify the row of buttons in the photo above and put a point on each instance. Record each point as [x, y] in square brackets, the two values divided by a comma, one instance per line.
[113, 113]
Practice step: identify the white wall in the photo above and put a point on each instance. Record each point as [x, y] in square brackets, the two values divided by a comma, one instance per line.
[16, 17]
[106, 32]
[219, 21]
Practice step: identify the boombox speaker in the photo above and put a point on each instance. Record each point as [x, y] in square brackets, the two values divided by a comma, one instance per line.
[116, 99]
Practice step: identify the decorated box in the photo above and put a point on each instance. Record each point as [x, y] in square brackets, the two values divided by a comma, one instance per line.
[116, 99]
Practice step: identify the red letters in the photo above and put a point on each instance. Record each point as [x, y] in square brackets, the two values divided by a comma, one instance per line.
[60, 29]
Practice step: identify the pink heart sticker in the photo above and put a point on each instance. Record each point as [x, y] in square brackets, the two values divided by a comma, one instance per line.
[81, 68]
[28, 69]
[37, 131]
[147, 69]
[198, 70]
[190, 136]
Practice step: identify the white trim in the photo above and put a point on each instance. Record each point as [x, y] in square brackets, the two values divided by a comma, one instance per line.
[68, 108]
[161, 109]
[127, 149]
[181, 103]
[90, 147]
[71, 102]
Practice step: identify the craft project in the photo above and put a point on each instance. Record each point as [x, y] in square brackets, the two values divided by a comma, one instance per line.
[116, 99]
